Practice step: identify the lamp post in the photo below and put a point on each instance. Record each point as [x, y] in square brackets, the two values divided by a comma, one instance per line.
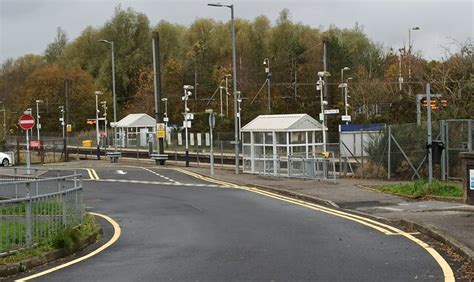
[266, 63]
[185, 98]
[234, 76]
[409, 49]
[38, 124]
[97, 111]
[320, 87]
[342, 77]
[113, 90]
[239, 100]
[165, 119]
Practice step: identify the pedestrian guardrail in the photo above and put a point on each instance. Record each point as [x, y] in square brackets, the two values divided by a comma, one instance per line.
[33, 210]
[298, 166]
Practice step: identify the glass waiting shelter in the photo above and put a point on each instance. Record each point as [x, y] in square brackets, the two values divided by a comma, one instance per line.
[272, 139]
[134, 130]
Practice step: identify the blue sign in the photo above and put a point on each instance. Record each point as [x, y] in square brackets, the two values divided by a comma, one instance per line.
[471, 179]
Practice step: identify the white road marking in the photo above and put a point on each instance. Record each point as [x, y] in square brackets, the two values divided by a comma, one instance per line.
[159, 175]
[121, 172]
[161, 183]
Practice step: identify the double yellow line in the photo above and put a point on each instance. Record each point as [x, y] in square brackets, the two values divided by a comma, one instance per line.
[92, 174]
[384, 228]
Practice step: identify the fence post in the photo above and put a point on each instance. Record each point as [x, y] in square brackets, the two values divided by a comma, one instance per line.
[361, 153]
[442, 128]
[16, 184]
[63, 199]
[222, 153]
[28, 215]
[389, 151]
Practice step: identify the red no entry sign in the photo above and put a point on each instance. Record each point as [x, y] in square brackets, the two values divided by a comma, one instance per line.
[26, 122]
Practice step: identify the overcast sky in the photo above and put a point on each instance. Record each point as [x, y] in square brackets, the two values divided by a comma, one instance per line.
[28, 26]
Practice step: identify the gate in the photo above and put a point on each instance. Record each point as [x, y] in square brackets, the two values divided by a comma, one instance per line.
[457, 135]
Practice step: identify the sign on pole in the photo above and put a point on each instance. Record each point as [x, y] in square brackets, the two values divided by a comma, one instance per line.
[26, 122]
[346, 118]
[331, 111]
[160, 132]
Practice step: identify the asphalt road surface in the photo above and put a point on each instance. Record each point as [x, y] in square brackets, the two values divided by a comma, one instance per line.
[179, 228]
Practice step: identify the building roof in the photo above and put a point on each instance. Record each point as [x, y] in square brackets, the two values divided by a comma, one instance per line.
[137, 120]
[288, 122]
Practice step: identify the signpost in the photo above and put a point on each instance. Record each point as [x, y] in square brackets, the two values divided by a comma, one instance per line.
[27, 122]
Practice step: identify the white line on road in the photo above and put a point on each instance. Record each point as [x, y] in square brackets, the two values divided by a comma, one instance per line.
[157, 174]
[162, 183]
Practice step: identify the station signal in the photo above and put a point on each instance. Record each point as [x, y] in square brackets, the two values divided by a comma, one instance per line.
[90, 122]
[435, 104]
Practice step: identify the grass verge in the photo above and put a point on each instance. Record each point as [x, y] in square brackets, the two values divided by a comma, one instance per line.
[68, 240]
[422, 188]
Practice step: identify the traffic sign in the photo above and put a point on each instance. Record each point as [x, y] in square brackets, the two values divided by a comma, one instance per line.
[160, 133]
[346, 118]
[68, 128]
[331, 111]
[26, 122]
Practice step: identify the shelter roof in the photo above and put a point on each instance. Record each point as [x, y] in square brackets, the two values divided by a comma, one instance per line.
[137, 120]
[284, 122]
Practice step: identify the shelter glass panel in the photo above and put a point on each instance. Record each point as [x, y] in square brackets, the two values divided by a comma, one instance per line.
[298, 138]
[246, 149]
[246, 137]
[268, 137]
[258, 151]
[281, 137]
[258, 138]
[269, 151]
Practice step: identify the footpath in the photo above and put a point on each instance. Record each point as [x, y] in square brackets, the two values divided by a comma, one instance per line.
[448, 222]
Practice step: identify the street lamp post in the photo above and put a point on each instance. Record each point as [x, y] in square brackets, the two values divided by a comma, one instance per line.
[266, 63]
[185, 98]
[166, 112]
[320, 87]
[113, 91]
[38, 124]
[97, 111]
[409, 49]
[234, 76]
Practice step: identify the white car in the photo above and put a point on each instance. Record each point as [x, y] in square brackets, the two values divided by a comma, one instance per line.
[5, 159]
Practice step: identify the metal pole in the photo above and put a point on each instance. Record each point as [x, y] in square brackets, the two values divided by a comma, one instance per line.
[234, 73]
[157, 88]
[428, 114]
[38, 124]
[345, 101]
[97, 125]
[342, 81]
[267, 70]
[226, 95]
[409, 53]
[400, 79]
[28, 156]
[389, 151]
[114, 96]
[322, 113]
[418, 109]
[186, 126]
[212, 147]
[325, 68]
[220, 95]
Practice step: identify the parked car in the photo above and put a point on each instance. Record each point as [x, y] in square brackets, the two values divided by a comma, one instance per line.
[5, 159]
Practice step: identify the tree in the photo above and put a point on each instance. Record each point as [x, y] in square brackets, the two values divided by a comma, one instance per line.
[55, 49]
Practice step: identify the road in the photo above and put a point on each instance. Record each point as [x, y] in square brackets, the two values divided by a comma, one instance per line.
[180, 228]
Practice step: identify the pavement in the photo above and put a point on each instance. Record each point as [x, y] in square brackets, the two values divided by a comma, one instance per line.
[450, 222]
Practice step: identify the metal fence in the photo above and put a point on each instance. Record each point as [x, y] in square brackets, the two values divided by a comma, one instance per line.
[298, 166]
[34, 209]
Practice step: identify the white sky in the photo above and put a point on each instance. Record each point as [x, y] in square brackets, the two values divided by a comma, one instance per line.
[28, 26]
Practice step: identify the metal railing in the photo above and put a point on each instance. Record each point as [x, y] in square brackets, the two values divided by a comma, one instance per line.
[298, 166]
[36, 209]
